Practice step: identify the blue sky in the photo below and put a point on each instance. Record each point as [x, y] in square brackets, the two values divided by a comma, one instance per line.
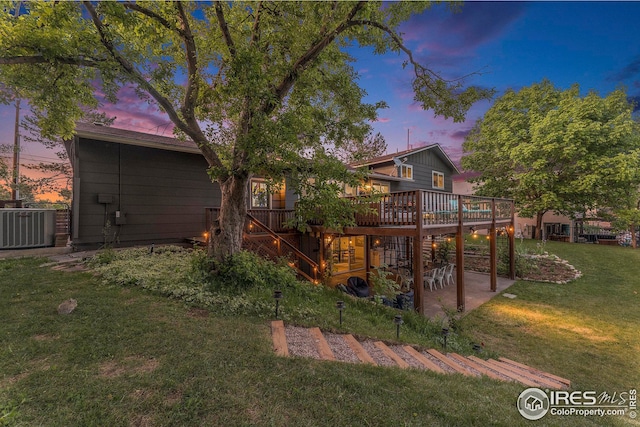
[508, 45]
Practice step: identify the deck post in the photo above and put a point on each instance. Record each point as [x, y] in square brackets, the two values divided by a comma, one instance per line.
[460, 260]
[493, 262]
[322, 262]
[418, 269]
[511, 232]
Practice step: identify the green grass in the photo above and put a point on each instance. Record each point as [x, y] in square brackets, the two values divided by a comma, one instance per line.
[128, 356]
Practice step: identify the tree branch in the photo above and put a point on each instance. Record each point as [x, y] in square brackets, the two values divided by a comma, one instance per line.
[194, 133]
[151, 14]
[40, 59]
[225, 29]
[255, 32]
[419, 70]
[313, 52]
[191, 93]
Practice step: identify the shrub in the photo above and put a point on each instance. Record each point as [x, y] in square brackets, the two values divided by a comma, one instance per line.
[246, 270]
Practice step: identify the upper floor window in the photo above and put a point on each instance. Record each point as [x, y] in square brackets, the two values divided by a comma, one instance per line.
[406, 171]
[259, 194]
[438, 180]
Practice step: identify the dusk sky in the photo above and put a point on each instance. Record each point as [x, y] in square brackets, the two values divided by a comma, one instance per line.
[508, 45]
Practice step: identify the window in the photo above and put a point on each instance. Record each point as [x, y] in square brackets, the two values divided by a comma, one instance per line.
[375, 187]
[438, 180]
[406, 171]
[259, 194]
[380, 187]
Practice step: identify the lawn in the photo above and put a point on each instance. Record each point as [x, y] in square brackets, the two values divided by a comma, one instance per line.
[128, 356]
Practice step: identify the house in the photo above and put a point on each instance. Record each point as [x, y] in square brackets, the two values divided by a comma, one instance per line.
[135, 188]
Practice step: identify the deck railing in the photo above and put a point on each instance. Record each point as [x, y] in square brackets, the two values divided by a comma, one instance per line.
[437, 209]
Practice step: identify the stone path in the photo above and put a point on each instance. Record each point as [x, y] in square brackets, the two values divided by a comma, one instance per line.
[312, 342]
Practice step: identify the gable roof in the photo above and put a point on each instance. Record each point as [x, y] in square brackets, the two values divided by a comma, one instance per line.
[396, 157]
[123, 136]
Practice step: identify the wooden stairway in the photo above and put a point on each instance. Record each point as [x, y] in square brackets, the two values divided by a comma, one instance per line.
[312, 342]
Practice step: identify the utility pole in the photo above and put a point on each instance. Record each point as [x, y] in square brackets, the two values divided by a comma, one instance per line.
[15, 192]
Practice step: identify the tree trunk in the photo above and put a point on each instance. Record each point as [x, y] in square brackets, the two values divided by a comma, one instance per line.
[634, 243]
[227, 229]
[539, 216]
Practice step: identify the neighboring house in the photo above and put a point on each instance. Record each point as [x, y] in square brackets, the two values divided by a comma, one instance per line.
[554, 226]
[135, 188]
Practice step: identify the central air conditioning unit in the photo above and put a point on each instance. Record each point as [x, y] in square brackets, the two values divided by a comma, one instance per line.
[27, 228]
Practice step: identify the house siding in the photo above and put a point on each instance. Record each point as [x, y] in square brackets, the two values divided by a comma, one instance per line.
[424, 163]
[161, 194]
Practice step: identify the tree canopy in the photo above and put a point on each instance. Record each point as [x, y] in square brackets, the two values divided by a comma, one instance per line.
[259, 87]
[555, 150]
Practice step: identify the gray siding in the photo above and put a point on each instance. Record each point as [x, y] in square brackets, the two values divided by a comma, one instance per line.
[161, 194]
[424, 163]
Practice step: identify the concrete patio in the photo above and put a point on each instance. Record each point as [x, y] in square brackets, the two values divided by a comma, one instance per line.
[477, 292]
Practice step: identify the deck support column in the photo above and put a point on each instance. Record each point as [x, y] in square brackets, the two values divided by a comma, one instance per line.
[460, 298]
[511, 232]
[493, 262]
[418, 266]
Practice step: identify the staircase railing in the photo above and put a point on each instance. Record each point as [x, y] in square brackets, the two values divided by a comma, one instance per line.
[282, 248]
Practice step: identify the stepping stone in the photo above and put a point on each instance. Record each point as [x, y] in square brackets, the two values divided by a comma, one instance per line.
[423, 359]
[450, 363]
[359, 350]
[323, 346]
[279, 338]
[391, 354]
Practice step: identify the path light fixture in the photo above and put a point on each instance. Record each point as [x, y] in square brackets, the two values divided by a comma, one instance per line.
[445, 334]
[340, 307]
[398, 321]
[477, 348]
[277, 295]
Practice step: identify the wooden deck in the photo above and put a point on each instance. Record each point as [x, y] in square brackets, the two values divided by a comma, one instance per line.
[415, 214]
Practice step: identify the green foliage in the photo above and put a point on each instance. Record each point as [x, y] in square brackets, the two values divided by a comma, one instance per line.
[383, 282]
[245, 270]
[261, 88]
[523, 263]
[555, 150]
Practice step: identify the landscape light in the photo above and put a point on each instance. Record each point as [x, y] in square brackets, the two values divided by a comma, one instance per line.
[398, 321]
[277, 295]
[340, 307]
[445, 334]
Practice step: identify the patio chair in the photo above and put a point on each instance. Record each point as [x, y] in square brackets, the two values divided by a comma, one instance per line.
[448, 274]
[430, 278]
[439, 276]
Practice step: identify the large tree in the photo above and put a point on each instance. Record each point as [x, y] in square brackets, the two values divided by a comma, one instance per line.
[555, 150]
[259, 87]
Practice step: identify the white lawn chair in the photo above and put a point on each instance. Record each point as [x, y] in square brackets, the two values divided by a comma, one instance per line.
[439, 276]
[430, 278]
[448, 274]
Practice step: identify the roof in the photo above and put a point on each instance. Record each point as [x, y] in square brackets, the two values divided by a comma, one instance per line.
[124, 136]
[395, 157]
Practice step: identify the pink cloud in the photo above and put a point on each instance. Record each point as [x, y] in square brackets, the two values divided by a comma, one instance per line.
[383, 120]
